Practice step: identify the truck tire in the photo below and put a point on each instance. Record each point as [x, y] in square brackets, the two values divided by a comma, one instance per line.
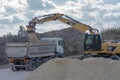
[31, 66]
[13, 68]
[38, 61]
[115, 57]
[59, 55]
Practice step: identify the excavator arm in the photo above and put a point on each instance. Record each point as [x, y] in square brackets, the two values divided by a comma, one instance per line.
[53, 17]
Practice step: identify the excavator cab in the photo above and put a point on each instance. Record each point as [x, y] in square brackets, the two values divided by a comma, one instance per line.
[92, 42]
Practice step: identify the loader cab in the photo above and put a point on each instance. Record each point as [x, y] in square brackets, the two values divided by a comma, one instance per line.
[92, 42]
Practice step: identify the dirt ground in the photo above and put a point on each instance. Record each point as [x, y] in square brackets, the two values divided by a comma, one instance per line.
[75, 69]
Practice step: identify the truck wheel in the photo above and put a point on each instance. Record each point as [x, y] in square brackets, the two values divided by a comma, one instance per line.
[13, 68]
[38, 62]
[58, 55]
[115, 57]
[31, 66]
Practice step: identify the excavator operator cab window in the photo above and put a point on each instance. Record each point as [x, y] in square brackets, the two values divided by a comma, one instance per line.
[92, 42]
[89, 40]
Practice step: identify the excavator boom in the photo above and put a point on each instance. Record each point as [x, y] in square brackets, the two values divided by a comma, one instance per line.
[53, 17]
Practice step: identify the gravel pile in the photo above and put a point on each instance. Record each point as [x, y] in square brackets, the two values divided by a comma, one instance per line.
[74, 69]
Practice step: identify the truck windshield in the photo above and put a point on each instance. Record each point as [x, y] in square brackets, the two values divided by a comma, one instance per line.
[61, 43]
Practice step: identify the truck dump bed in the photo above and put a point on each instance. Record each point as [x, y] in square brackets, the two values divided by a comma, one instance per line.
[41, 49]
[16, 49]
[22, 50]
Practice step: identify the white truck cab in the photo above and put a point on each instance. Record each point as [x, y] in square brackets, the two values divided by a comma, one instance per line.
[58, 42]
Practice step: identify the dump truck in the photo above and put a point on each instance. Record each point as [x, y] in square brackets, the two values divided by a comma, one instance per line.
[29, 56]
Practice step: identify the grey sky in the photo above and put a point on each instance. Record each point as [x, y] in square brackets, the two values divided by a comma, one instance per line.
[96, 13]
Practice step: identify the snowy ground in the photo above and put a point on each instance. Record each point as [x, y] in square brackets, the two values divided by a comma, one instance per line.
[8, 74]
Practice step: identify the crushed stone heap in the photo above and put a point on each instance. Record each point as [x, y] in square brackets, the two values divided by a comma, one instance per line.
[75, 69]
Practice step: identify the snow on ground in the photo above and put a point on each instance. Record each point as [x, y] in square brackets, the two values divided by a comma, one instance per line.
[8, 74]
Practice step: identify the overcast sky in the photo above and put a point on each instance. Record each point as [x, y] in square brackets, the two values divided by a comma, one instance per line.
[96, 13]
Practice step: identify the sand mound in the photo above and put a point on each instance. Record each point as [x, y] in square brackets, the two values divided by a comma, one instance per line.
[74, 69]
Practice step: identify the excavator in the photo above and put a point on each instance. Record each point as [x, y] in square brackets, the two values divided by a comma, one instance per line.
[94, 46]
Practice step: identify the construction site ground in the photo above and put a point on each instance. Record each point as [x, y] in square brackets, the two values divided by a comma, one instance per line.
[67, 69]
